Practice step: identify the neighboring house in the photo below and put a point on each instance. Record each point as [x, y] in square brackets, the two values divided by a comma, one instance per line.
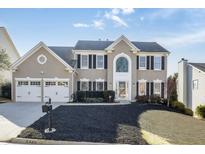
[7, 45]
[128, 68]
[191, 84]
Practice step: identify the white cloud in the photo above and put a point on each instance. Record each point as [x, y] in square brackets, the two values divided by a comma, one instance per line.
[163, 13]
[127, 11]
[116, 19]
[79, 25]
[183, 39]
[141, 18]
[99, 24]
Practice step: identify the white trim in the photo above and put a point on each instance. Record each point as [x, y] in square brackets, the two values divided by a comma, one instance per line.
[153, 53]
[28, 79]
[81, 59]
[123, 76]
[99, 80]
[196, 68]
[85, 79]
[35, 49]
[96, 52]
[56, 79]
[45, 59]
[156, 69]
[143, 68]
[111, 47]
[97, 62]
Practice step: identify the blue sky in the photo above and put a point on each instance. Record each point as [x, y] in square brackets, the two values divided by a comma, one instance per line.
[181, 31]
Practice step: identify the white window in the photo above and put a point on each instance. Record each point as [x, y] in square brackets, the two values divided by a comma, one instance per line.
[195, 84]
[35, 83]
[84, 61]
[100, 61]
[99, 86]
[142, 61]
[142, 88]
[21, 83]
[84, 85]
[63, 83]
[157, 63]
[50, 83]
[157, 88]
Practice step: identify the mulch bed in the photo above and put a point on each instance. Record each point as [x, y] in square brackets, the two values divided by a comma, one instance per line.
[106, 124]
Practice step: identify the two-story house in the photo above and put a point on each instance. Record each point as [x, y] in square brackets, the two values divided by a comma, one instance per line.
[129, 68]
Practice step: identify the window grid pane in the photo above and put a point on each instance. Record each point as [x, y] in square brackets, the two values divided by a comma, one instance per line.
[99, 86]
[157, 62]
[157, 88]
[100, 61]
[84, 61]
[142, 88]
[84, 86]
[122, 65]
[142, 62]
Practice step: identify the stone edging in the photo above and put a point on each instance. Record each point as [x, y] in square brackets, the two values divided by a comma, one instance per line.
[51, 142]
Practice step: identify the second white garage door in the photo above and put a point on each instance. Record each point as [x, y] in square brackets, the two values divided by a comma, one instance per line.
[58, 91]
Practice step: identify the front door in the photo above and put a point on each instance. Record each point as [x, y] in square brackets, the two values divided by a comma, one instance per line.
[122, 91]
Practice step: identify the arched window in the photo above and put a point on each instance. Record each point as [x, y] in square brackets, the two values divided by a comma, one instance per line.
[122, 65]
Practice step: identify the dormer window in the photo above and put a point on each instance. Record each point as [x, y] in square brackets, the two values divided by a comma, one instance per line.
[84, 61]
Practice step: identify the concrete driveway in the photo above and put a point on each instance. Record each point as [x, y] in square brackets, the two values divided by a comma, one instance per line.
[14, 117]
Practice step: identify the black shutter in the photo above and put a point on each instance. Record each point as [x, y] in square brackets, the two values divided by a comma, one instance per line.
[90, 85]
[152, 88]
[78, 61]
[148, 62]
[163, 62]
[137, 89]
[94, 86]
[94, 61]
[137, 62]
[105, 61]
[90, 61]
[105, 85]
[162, 89]
[152, 62]
[78, 85]
[147, 86]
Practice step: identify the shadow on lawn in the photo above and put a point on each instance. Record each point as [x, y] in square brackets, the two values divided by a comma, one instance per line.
[108, 124]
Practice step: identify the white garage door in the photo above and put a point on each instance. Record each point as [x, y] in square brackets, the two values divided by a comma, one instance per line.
[28, 91]
[58, 91]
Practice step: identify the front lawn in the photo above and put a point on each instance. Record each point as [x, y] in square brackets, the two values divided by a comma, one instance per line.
[119, 124]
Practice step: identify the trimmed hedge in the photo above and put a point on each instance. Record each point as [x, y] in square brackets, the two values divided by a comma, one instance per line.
[84, 96]
[188, 112]
[200, 110]
[150, 99]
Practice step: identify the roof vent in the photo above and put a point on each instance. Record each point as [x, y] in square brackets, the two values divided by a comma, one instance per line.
[107, 39]
[99, 39]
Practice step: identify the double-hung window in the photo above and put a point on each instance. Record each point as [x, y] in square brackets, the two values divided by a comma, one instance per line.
[99, 86]
[157, 63]
[157, 88]
[195, 84]
[142, 62]
[100, 61]
[84, 85]
[84, 61]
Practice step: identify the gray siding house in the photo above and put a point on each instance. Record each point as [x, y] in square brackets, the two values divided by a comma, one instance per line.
[191, 83]
[129, 68]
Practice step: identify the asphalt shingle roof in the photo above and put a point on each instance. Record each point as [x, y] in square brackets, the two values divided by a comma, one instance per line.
[200, 66]
[65, 53]
[101, 45]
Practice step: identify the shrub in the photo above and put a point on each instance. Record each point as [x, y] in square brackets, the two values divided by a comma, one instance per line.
[178, 105]
[94, 100]
[200, 110]
[82, 96]
[188, 111]
[109, 96]
[6, 90]
[142, 99]
[155, 99]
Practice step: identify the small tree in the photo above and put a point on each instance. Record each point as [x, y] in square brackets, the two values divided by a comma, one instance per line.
[172, 88]
[4, 60]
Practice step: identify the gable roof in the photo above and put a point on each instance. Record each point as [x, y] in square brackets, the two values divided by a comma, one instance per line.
[35, 49]
[102, 45]
[65, 53]
[200, 66]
